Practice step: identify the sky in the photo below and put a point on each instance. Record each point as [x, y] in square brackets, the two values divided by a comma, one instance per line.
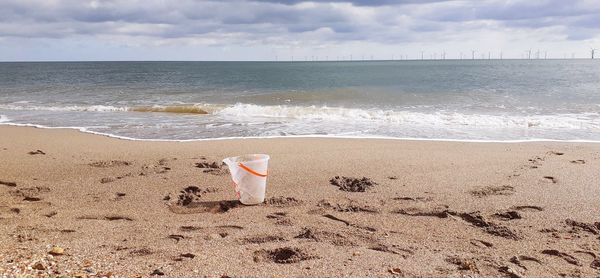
[84, 30]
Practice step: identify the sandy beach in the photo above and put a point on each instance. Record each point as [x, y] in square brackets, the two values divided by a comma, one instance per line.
[80, 205]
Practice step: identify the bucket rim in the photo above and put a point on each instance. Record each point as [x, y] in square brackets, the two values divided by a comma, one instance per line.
[262, 157]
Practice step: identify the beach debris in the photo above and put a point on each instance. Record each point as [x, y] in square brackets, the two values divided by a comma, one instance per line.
[392, 177]
[56, 251]
[37, 152]
[282, 201]
[109, 163]
[177, 238]
[141, 252]
[568, 258]
[350, 184]
[38, 266]
[395, 271]
[32, 199]
[508, 215]
[551, 178]
[157, 272]
[578, 161]
[50, 214]
[493, 190]
[283, 255]
[15, 210]
[481, 243]
[555, 153]
[187, 255]
[8, 183]
[510, 272]
[463, 264]
[107, 180]
[595, 264]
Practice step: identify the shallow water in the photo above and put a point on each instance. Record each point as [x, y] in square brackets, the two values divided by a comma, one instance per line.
[452, 99]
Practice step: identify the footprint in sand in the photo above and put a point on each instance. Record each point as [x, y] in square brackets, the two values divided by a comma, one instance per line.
[281, 218]
[566, 257]
[473, 218]
[282, 202]
[350, 206]
[581, 226]
[284, 255]
[30, 194]
[493, 191]
[350, 184]
[109, 163]
[519, 260]
[260, 239]
[211, 168]
[332, 238]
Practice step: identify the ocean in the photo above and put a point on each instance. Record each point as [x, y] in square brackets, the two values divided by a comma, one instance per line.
[487, 100]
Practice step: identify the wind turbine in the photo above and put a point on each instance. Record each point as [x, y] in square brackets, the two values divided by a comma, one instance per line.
[528, 54]
[422, 52]
[472, 54]
[593, 52]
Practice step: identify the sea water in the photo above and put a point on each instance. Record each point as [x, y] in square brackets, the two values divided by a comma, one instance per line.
[498, 100]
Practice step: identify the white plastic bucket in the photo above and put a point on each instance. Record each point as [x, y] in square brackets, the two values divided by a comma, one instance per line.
[249, 175]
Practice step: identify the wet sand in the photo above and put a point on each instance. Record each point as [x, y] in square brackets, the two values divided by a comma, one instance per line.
[80, 205]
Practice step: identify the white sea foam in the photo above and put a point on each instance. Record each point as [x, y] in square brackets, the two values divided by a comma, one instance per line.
[251, 120]
[94, 108]
[413, 118]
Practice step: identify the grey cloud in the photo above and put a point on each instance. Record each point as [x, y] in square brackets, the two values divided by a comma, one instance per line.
[387, 21]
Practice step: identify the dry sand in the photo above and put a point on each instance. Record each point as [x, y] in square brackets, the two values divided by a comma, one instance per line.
[437, 209]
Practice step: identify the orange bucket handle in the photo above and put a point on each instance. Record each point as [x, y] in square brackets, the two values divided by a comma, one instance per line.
[252, 171]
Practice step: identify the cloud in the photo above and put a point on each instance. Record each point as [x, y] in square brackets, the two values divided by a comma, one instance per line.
[281, 23]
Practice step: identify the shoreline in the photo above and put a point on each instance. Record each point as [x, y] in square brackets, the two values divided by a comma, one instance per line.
[436, 209]
[517, 141]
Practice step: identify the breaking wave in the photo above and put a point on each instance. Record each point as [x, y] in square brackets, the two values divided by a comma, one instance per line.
[413, 118]
[183, 109]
